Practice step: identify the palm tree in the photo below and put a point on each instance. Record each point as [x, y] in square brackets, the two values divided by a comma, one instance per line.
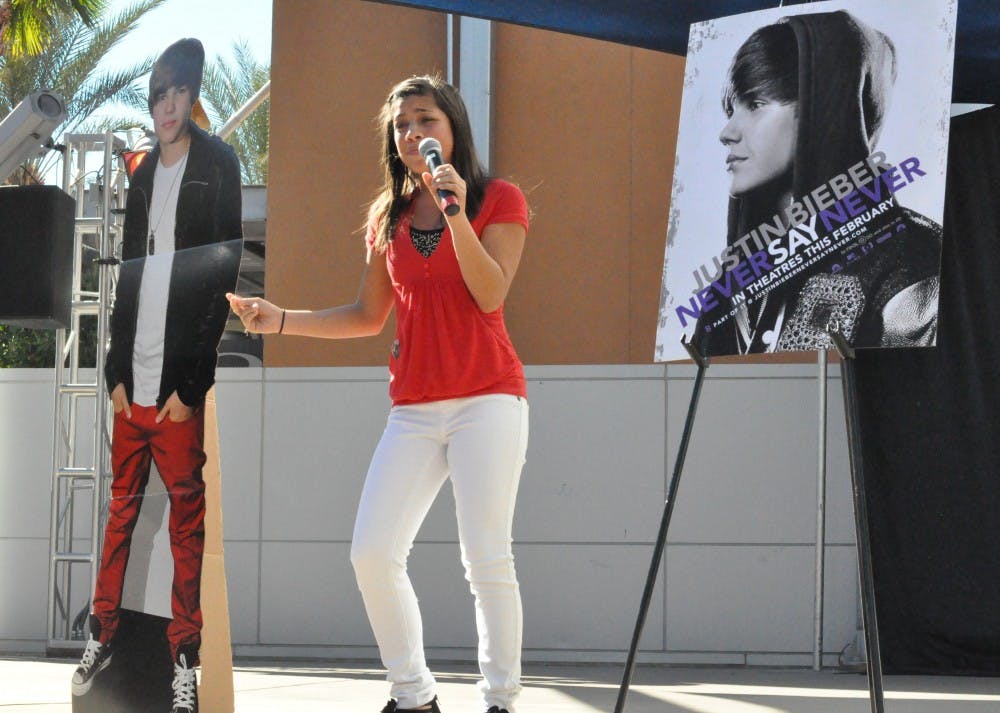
[69, 67]
[26, 25]
[225, 88]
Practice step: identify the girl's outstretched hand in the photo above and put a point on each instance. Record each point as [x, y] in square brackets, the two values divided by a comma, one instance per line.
[257, 314]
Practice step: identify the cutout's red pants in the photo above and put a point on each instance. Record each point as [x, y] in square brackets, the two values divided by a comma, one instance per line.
[178, 451]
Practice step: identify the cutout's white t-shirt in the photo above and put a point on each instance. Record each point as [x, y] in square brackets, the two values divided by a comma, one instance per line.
[150, 328]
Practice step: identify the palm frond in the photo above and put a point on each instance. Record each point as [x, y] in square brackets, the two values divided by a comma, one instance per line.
[27, 29]
[111, 122]
[225, 88]
[31, 22]
[88, 10]
[118, 87]
[69, 66]
[92, 44]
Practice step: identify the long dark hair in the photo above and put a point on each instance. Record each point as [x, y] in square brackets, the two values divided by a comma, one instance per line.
[400, 183]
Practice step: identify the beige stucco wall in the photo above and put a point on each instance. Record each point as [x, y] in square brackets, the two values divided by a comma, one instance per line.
[586, 128]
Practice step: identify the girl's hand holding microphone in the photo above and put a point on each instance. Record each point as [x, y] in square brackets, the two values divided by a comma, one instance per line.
[257, 314]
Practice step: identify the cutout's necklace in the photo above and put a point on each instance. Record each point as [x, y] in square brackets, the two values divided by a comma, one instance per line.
[166, 203]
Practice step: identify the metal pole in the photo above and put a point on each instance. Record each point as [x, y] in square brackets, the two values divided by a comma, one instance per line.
[450, 24]
[59, 580]
[820, 515]
[52, 630]
[101, 406]
[661, 538]
[244, 111]
[865, 571]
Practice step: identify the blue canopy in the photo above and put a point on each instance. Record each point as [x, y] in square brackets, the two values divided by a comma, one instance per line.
[663, 25]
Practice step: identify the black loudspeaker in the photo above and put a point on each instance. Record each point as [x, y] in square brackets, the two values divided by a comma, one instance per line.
[36, 256]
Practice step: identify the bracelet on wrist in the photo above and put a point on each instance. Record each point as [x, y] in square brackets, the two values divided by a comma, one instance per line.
[281, 327]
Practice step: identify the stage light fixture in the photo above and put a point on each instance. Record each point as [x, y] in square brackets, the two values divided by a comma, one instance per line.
[26, 130]
[135, 155]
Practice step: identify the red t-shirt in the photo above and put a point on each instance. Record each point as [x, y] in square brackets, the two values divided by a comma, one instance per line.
[446, 347]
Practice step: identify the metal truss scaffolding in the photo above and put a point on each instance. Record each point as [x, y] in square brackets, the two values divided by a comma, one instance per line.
[81, 434]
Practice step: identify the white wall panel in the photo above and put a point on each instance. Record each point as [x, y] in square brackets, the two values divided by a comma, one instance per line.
[594, 470]
[739, 598]
[319, 432]
[238, 399]
[23, 588]
[243, 586]
[295, 446]
[752, 456]
[585, 597]
[308, 596]
[26, 403]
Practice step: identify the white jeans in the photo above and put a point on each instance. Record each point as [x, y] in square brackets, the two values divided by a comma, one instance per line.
[480, 442]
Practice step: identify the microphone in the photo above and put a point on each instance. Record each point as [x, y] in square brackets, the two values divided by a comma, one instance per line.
[430, 149]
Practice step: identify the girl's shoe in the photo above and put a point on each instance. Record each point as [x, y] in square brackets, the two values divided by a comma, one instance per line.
[392, 707]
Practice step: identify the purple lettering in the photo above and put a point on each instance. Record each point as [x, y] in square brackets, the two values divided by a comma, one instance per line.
[893, 180]
[837, 213]
[911, 167]
[875, 195]
[707, 299]
[725, 288]
[692, 312]
[743, 276]
[759, 263]
[854, 204]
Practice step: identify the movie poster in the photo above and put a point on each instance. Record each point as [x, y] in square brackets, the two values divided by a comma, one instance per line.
[809, 181]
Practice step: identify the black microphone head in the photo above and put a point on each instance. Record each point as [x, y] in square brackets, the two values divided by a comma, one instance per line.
[428, 146]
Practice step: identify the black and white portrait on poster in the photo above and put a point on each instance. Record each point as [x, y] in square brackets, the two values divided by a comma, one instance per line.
[809, 181]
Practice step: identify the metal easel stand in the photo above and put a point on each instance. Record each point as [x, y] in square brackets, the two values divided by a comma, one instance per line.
[865, 571]
[661, 538]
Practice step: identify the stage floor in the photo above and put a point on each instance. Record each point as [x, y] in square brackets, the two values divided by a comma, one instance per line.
[31, 685]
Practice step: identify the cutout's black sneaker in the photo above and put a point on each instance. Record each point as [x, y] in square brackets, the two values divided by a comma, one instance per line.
[496, 709]
[185, 686]
[96, 658]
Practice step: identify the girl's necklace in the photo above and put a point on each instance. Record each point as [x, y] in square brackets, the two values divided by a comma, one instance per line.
[166, 204]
